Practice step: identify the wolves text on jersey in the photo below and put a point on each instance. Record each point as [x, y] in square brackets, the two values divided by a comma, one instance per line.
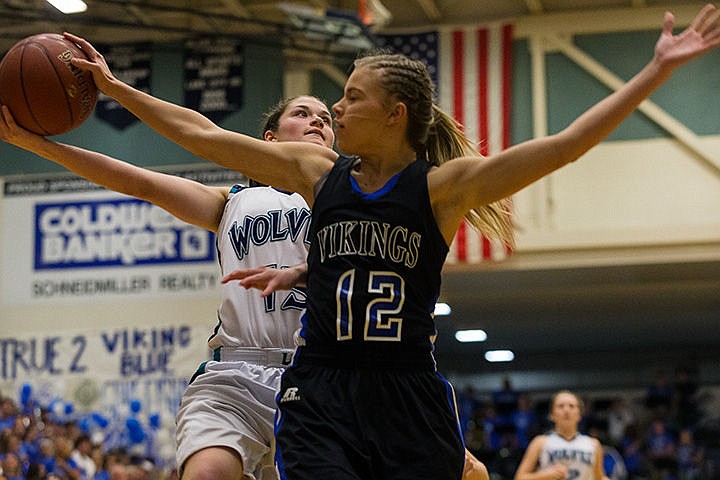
[369, 238]
[568, 454]
[272, 226]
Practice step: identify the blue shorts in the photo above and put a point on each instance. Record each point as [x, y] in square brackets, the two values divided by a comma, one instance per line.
[367, 424]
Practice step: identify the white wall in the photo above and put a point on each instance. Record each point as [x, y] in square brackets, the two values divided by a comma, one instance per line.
[620, 195]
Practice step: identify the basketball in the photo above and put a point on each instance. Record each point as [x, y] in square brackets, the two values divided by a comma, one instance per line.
[45, 93]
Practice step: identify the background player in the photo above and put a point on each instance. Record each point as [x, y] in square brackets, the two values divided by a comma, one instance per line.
[564, 453]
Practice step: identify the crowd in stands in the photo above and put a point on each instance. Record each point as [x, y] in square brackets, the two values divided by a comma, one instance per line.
[36, 444]
[662, 433]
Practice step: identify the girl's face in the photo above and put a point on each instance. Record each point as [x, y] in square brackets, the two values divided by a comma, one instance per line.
[306, 119]
[566, 409]
[360, 115]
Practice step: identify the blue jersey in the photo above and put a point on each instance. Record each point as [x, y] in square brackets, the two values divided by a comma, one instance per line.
[374, 269]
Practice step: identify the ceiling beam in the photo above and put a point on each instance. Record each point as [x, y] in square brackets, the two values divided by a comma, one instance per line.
[236, 8]
[535, 7]
[430, 8]
[671, 125]
[602, 21]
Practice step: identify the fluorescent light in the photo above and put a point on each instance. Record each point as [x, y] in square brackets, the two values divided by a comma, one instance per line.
[470, 336]
[442, 309]
[499, 356]
[69, 6]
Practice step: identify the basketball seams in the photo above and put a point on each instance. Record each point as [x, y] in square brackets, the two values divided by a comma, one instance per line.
[26, 98]
[44, 91]
[59, 78]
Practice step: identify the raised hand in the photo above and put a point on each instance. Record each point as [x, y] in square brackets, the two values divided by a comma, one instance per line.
[701, 36]
[95, 64]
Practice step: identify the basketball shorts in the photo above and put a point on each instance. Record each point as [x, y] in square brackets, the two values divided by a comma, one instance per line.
[367, 424]
[231, 404]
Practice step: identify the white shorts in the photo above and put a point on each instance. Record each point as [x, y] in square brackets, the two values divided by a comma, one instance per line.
[231, 404]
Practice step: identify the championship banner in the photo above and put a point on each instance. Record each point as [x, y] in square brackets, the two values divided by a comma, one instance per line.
[67, 240]
[214, 76]
[130, 63]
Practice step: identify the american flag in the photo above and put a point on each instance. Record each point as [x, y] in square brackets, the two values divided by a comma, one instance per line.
[471, 68]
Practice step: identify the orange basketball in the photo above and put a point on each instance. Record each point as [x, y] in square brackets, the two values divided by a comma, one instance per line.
[45, 93]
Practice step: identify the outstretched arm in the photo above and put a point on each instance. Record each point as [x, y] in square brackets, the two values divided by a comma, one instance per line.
[479, 182]
[294, 166]
[188, 200]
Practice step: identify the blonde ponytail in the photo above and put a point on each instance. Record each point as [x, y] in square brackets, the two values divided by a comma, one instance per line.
[446, 141]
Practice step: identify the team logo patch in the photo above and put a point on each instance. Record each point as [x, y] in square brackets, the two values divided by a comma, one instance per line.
[291, 395]
[287, 358]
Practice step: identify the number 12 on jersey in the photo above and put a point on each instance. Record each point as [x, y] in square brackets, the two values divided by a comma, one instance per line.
[381, 321]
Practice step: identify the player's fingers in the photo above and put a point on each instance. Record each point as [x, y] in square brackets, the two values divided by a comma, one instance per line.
[81, 63]
[84, 45]
[668, 24]
[3, 122]
[257, 280]
[701, 20]
[240, 274]
[712, 23]
[8, 120]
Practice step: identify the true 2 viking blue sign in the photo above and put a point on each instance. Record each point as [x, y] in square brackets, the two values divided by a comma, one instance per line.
[136, 351]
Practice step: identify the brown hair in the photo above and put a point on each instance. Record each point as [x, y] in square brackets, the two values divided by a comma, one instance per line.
[271, 118]
[271, 122]
[581, 404]
[433, 134]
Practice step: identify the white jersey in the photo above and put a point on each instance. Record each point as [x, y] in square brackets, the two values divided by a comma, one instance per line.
[230, 401]
[578, 454]
[261, 226]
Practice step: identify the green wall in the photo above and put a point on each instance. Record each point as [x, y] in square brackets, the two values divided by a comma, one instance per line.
[691, 95]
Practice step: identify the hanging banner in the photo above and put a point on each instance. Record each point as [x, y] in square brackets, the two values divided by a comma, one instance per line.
[67, 240]
[130, 63]
[214, 76]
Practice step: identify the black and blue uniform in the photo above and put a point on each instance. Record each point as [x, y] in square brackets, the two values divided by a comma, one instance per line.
[363, 398]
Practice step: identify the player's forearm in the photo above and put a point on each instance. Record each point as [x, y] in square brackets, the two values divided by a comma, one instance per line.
[100, 169]
[182, 125]
[596, 123]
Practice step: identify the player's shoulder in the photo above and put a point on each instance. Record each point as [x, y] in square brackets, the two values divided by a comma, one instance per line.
[539, 441]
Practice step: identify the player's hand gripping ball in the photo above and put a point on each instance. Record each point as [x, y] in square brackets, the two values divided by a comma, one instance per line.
[46, 93]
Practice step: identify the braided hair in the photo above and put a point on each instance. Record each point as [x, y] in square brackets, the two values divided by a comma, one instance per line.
[433, 134]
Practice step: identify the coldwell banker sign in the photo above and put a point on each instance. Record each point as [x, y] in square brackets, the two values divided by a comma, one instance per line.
[104, 233]
[64, 239]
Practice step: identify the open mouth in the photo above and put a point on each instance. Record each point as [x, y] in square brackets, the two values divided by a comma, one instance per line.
[315, 132]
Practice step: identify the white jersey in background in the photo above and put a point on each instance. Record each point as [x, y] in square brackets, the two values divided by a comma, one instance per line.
[230, 401]
[261, 226]
[578, 454]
